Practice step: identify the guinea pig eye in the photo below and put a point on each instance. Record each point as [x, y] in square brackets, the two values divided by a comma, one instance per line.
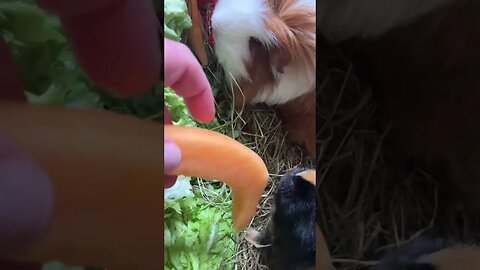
[254, 44]
[253, 41]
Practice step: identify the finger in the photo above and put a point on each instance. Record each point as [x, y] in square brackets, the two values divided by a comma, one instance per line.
[172, 158]
[26, 199]
[184, 74]
[169, 180]
[10, 85]
[115, 41]
[172, 155]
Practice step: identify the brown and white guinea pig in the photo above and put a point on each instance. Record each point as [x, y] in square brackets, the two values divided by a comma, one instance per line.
[267, 50]
[423, 61]
[293, 239]
[429, 254]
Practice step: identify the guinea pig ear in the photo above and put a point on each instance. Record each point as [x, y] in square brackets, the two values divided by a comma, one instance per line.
[309, 176]
[294, 29]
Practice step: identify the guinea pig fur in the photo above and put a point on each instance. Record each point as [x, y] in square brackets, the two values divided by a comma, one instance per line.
[431, 254]
[290, 240]
[267, 49]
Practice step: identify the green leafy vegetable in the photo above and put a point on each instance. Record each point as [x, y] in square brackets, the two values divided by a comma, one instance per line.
[43, 59]
[198, 233]
[49, 71]
[198, 223]
[177, 109]
[176, 19]
[198, 229]
[181, 188]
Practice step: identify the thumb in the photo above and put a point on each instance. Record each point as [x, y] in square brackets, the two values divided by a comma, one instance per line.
[172, 158]
[171, 154]
[26, 199]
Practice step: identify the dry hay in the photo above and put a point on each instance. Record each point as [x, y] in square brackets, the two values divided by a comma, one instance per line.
[260, 129]
[369, 199]
[266, 136]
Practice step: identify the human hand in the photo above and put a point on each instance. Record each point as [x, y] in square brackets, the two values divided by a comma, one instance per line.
[116, 43]
[184, 74]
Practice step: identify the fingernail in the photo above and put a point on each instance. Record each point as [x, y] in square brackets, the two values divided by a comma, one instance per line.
[26, 199]
[172, 155]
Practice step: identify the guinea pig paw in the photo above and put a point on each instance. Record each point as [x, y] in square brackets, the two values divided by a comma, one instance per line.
[252, 236]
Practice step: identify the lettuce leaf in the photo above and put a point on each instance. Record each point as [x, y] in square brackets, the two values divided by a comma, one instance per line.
[198, 224]
[198, 230]
[177, 109]
[198, 233]
[176, 19]
[44, 61]
[48, 69]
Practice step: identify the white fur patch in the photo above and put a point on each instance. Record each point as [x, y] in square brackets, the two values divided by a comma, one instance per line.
[342, 19]
[233, 23]
[291, 84]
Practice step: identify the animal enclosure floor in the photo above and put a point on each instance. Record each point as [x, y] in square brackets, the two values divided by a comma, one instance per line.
[369, 199]
[259, 128]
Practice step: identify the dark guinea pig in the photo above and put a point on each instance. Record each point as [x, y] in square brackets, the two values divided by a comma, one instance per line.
[290, 241]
